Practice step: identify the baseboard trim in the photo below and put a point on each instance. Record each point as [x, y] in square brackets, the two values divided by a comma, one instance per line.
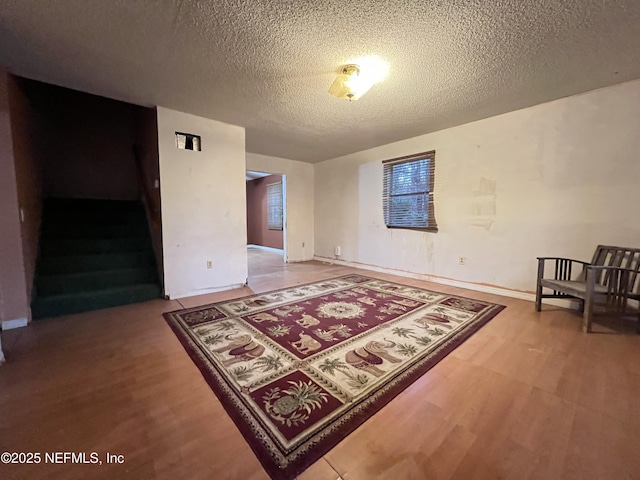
[479, 287]
[204, 291]
[15, 323]
[269, 249]
[301, 260]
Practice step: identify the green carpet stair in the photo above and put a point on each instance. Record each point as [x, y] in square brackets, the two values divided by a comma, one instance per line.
[94, 254]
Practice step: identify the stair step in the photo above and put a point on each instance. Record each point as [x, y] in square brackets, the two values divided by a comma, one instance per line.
[83, 282]
[77, 246]
[65, 264]
[117, 230]
[85, 301]
[90, 205]
[94, 218]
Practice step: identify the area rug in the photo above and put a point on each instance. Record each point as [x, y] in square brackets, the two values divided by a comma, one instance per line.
[300, 368]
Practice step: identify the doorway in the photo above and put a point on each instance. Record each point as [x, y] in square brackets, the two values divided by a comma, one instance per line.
[266, 222]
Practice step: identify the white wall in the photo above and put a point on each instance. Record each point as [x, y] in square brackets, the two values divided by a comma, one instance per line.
[14, 297]
[203, 205]
[553, 179]
[299, 197]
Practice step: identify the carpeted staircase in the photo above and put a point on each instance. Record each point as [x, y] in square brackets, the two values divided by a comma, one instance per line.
[93, 254]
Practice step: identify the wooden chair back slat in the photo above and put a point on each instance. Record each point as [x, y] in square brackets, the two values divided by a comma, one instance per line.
[610, 256]
[634, 280]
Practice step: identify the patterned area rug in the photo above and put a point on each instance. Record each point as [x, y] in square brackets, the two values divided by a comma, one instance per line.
[298, 369]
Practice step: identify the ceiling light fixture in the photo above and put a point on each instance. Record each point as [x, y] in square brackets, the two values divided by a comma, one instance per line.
[350, 83]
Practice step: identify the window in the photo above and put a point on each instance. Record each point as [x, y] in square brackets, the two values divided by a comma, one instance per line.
[407, 193]
[274, 206]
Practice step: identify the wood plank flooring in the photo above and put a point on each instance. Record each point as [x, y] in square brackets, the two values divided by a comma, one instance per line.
[527, 397]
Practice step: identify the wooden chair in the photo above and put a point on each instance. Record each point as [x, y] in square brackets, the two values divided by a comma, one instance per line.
[609, 285]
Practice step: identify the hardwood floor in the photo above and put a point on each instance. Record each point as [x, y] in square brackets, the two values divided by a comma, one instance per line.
[529, 396]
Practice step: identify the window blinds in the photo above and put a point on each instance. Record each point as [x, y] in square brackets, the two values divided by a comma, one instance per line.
[274, 206]
[407, 192]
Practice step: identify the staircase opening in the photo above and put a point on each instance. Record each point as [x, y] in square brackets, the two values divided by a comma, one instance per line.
[100, 231]
[93, 254]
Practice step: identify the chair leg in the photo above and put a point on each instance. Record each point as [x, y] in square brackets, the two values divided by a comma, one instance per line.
[589, 300]
[587, 316]
[539, 285]
[539, 298]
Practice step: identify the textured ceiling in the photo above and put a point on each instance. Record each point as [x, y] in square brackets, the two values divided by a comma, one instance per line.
[267, 65]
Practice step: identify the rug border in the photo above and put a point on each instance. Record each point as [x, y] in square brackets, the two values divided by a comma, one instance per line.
[296, 467]
[281, 288]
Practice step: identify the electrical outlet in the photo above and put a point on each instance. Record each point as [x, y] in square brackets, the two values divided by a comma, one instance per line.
[461, 260]
[337, 251]
[209, 264]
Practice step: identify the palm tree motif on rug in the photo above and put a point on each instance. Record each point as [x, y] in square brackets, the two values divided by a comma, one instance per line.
[302, 361]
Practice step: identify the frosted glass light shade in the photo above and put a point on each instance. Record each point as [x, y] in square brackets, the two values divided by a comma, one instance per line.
[350, 84]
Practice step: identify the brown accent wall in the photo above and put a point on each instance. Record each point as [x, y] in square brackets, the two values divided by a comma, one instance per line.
[88, 142]
[146, 137]
[258, 232]
[14, 302]
[25, 135]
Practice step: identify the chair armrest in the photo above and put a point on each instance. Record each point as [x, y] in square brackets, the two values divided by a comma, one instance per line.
[562, 258]
[563, 268]
[617, 280]
[604, 267]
